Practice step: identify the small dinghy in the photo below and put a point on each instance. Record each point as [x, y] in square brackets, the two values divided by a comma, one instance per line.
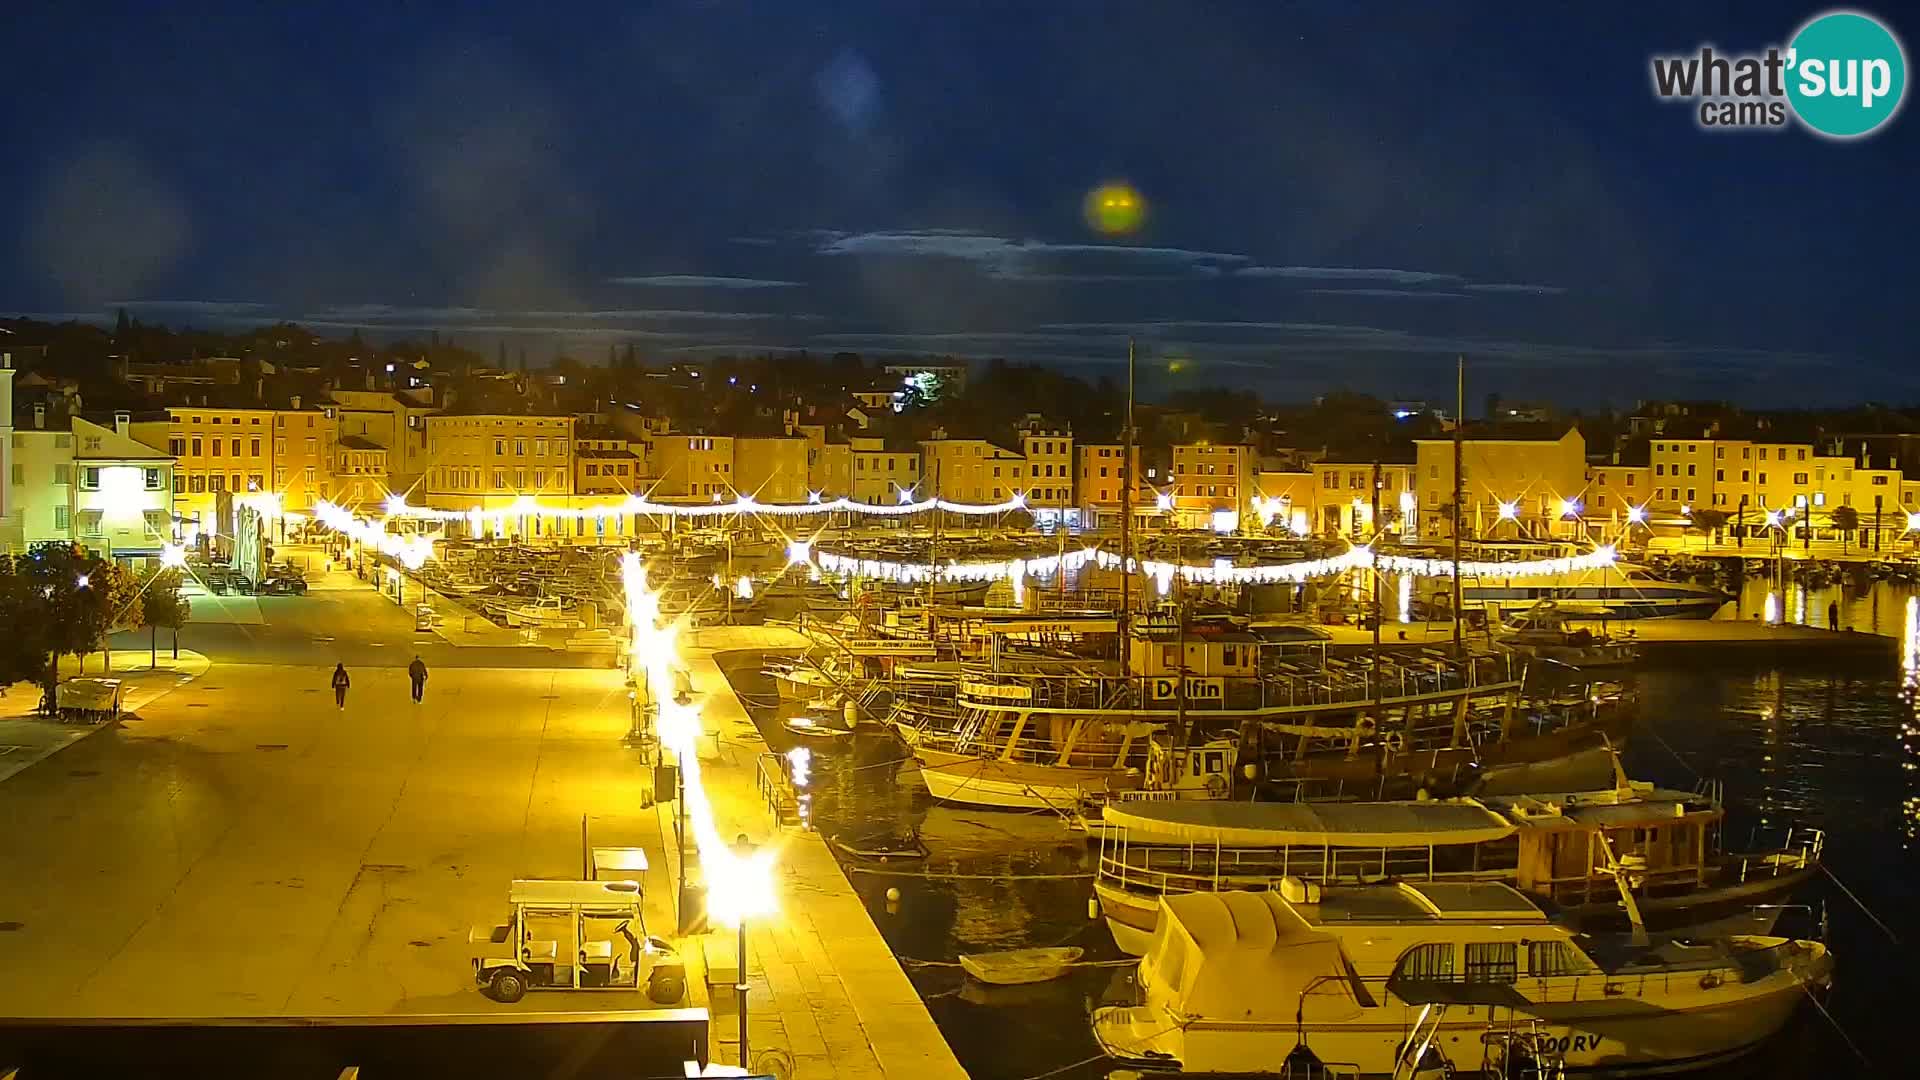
[820, 726]
[1017, 967]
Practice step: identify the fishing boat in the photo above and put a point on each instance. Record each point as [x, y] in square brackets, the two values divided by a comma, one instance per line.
[1018, 967]
[1565, 851]
[1046, 734]
[1399, 979]
[1544, 632]
[548, 612]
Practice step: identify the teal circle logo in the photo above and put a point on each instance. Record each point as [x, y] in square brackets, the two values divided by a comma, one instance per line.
[1846, 74]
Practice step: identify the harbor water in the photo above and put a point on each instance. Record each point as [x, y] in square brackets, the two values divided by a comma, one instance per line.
[1830, 747]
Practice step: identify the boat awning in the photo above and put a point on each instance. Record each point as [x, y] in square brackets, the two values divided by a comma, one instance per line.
[1256, 824]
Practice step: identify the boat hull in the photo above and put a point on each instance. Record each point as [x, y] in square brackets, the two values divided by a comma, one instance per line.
[1603, 1036]
[1008, 785]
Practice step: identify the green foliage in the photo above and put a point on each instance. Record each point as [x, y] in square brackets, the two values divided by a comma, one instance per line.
[1706, 521]
[161, 601]
[1846, 518]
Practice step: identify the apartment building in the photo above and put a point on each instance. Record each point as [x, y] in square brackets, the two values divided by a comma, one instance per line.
[1343, 499]
[881, 472]
[1516, 482]
[396, 421]
[693, 467]
[361, 473]
[1099, 484]
[605, 462]
[122, 491]
[971, 470]
[490, 459]
[1285, 499]
[771, 468]
[249, 449]
[1211, 485]
[1050, 477]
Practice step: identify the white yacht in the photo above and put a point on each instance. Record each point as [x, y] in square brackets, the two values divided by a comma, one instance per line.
[1380, 980]
[1619, 591]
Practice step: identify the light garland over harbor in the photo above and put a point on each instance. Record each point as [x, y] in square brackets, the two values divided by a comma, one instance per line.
[525, 506]
[412, 552]
[1220, 572]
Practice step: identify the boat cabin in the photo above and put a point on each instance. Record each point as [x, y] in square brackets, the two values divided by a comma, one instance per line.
[1207, 649]
[1569, 842]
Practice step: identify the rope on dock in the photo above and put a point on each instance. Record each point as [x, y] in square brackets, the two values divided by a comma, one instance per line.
[886, 872]
[1861, 904]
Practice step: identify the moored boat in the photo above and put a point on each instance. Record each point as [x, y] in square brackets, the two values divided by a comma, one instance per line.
[1018, 967]
[1390, 979]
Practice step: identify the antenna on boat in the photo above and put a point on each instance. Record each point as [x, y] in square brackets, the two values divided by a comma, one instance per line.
[1459, 490]
[1124, 623]
[1622, 875]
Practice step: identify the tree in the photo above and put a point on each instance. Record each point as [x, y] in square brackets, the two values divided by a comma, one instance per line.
[1706, 522]
[77, 598]
[122, 329]
[1846, 520]
[162, 604]
[24, 647]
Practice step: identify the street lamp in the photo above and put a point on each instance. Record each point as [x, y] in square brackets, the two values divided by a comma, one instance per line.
[743, 851]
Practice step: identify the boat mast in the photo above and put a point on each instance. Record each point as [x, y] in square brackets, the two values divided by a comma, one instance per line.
[1459, 489]
[1373, 538]
[1124, 623]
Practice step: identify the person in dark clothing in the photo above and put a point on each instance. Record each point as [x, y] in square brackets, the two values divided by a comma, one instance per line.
[417, 671]
[340, 684]
[1833, 616]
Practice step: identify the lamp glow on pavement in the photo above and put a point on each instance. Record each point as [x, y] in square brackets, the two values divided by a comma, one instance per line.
[739, 885]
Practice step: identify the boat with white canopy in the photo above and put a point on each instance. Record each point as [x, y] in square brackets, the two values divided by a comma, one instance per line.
[1391, 979]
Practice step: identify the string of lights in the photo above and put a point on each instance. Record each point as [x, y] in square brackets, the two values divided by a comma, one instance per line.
[524, 506]
[1219, 572]
[411, 552]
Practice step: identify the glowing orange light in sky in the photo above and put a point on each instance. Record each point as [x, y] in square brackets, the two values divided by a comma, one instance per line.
[1115, 209]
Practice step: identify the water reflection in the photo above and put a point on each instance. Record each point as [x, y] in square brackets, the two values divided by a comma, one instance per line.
[1877, 607]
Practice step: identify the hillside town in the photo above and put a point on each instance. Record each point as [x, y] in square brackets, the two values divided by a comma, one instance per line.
[131, 440]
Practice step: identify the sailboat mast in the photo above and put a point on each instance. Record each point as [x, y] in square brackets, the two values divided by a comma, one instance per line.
[1124, 623]
[1459, 489]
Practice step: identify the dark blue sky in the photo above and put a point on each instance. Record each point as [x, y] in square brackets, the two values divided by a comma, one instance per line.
[1342, 195]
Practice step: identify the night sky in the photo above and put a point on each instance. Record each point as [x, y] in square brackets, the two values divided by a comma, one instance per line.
[1342, 195]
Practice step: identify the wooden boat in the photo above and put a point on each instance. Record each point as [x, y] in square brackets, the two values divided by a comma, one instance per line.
[1044, 735]
[1558, 849]
[1018, 967]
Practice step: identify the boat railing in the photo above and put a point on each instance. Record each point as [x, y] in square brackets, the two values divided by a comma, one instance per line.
[1199, 868]
[1800, 848]
[1600, 885]
[1341, 684]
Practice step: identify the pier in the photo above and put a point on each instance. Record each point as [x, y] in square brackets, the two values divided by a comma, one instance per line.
[826, 996]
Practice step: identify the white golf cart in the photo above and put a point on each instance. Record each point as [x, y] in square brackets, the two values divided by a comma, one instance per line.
[574, 935]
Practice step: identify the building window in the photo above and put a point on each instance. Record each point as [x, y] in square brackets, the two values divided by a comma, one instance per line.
[1659, 469]
[153, 479]
[308, 471]
[176, 447]
[1744, 475]
[1763, 476]
[217, 482]
[216, 447]
[1689, 470]
[196, 484]
[1719, 451]
[1799, 478]
[1801, 454]
[60, 518]
[1630, 479]
[255, 447]
[234, 447]
[1719, 474]
[90, 478]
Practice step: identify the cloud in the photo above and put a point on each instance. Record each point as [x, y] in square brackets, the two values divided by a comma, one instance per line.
[1351, 273]
[104, 223]
[1028, 260]
[702, 281]
[1503, 287]
[199, 307]
[384, 314]
[1393, 294]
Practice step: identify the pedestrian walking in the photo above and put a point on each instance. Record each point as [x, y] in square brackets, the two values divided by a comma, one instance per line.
[417, 671]
[340, 684]
[1833, 616]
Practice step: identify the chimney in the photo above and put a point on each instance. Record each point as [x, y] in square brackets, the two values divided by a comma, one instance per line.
[121, 419]
[39, 417]
[295, 402]
[260, 389]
